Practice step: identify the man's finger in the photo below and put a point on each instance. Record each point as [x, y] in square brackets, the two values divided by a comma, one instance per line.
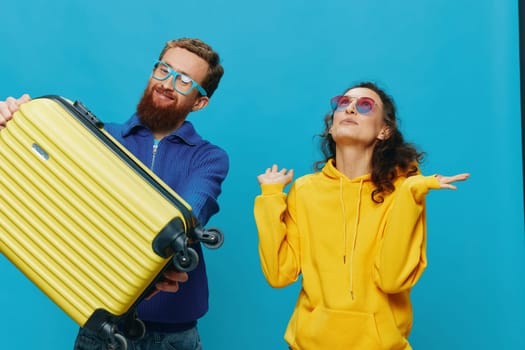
[176, 276]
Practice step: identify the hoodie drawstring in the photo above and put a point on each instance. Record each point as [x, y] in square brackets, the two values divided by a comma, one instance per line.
[341, 199]
[356, 226]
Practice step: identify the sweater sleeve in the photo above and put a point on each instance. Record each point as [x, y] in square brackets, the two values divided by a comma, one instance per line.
[278, 236]
[401, 258]
[202, 187]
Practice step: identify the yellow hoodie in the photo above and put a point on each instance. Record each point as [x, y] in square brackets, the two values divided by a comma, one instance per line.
[358, 258]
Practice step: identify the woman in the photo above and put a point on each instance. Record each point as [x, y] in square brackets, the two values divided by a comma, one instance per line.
[355, 230]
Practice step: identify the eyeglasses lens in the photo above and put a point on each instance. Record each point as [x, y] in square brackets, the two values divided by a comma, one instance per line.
[340, 103]
[161, 71]
[364, 105]
[183, 83]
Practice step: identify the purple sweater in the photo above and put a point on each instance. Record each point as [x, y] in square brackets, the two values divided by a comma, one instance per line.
[195, 169]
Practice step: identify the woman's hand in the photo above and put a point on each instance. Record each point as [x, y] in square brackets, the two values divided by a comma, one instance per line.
[446, 181]
[275, 176]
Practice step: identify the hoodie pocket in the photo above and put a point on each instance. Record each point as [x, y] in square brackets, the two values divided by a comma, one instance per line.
[333, 329]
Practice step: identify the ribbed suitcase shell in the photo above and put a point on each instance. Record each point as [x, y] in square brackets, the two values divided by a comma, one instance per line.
[76, 220]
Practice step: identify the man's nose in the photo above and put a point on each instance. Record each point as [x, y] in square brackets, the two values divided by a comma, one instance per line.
[168, 83]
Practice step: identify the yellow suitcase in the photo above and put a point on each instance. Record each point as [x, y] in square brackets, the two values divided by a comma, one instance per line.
[87, 222]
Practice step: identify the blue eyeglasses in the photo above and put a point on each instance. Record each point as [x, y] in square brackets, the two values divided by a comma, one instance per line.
[182, 83]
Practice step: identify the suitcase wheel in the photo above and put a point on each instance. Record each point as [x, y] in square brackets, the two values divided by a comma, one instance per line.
[186, 260]
[133, 328]
[119, 343]
[213, 238]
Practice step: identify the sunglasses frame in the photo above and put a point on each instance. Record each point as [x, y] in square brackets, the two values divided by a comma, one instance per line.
[334, 103]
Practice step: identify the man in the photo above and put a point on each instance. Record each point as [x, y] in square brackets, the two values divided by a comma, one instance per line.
[182, 81]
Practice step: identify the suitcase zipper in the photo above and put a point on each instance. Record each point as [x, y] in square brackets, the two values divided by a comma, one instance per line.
[154, 154]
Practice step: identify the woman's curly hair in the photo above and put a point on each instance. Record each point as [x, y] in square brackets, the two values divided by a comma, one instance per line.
[391, 156]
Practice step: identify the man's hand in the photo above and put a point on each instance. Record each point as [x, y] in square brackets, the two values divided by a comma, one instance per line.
[170, 282]
[9, 107]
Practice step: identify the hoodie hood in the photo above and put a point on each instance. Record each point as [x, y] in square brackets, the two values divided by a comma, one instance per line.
[330, 171]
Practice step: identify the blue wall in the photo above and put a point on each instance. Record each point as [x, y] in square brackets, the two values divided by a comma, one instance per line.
[453, 68]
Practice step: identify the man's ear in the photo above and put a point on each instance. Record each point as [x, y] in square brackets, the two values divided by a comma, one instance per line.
[384, 133]
[200, 103]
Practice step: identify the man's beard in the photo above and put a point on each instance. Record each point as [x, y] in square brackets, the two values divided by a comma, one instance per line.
[160, 118]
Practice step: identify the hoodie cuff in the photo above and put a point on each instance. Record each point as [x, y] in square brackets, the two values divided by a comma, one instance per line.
[433, 182]
[269, 189]
[420, 185]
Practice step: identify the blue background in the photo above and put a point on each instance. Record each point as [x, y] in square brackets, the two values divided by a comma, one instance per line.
[452, 67]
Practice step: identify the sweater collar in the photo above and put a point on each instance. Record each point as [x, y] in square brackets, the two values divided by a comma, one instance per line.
[185, 133]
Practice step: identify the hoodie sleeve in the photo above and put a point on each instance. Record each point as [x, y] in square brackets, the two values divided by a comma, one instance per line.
[278, 237]
[401, 258]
